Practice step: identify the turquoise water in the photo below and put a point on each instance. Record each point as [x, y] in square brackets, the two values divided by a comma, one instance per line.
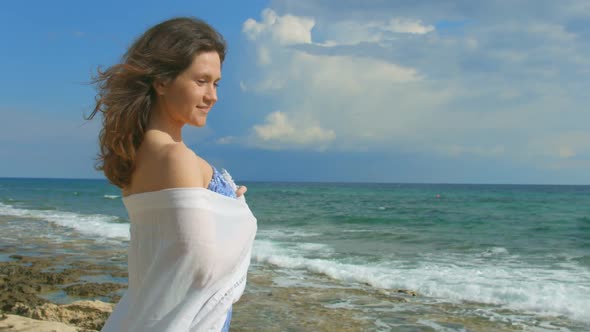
[518, 249]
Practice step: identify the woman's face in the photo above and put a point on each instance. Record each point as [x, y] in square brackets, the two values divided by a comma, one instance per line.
[189, 97]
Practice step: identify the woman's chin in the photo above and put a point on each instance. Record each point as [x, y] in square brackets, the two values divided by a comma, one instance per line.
[199, 123]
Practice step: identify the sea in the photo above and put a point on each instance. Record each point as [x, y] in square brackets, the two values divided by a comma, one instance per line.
[518, 255]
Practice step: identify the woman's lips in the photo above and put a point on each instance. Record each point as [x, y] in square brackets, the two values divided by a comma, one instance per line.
[204, 109]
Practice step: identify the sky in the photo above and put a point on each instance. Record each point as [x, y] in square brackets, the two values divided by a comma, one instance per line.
[324, 91]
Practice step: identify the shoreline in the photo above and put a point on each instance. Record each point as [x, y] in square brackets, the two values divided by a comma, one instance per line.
[28, 284]
[64, 289]
[327, 262]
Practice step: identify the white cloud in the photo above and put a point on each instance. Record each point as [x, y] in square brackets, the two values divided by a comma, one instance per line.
[285, 30]
[361, 97]
[405, 25]
[349, 74]
[279, 128]
[292, 30]
[498, 88]
[375, 31]
[264, 57]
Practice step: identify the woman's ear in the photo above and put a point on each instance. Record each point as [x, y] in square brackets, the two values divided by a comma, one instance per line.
[160, 87]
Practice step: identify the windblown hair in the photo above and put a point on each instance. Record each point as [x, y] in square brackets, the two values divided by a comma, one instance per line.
[126, 94]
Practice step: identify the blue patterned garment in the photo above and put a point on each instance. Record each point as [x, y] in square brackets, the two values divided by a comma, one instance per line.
[220, 184]
[225, 327]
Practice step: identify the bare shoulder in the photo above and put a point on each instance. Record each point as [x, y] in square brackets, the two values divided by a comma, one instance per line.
[181, 167]
[162, 165]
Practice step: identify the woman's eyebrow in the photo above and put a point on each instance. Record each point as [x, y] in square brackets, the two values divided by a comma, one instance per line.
[208, 76]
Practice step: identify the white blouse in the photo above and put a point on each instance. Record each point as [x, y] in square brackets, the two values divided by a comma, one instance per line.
[188, 257]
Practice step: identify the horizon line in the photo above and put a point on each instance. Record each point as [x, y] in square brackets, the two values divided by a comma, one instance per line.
[329, 182]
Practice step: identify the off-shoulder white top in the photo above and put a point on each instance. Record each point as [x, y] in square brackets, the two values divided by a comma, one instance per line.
[188, 257]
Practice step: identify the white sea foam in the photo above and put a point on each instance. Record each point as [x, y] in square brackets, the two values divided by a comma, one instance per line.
[285, 234]
[101, 225]
[313, 246]
[437, 327]
[111, 196]
[494, 251]
[512, 285]
[357, 231]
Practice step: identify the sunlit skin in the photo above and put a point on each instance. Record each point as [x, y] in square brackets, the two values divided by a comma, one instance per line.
[188, 98]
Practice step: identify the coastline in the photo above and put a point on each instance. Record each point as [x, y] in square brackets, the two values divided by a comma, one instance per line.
[322, 265]
[30, 283]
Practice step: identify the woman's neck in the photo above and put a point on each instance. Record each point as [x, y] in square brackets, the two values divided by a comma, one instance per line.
[161, 121]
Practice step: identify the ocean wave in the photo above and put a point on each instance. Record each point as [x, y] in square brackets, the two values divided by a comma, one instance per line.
[101, 225]
[357, 231]
[285, 234]
[315, 249]
[494, 251]
[111, 196]
[513, 286]
[582, 260]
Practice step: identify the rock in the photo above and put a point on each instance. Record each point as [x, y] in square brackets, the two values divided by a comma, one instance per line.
[93, 289]
[27, 289]
[407, 292]
[85, 314]
[119, 274]
[14, 323]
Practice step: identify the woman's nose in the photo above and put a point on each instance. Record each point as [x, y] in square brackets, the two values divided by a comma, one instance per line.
[211, 94]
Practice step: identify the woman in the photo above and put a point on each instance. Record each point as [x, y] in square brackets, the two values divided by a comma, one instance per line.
[191, 230]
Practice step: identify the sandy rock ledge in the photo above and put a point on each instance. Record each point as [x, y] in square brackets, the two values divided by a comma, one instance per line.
[14, 323]
[79, 316]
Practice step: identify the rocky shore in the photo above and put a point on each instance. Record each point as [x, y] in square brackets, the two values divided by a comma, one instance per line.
[29, 287]
[78, 316]
[25, 280]
[55, 293]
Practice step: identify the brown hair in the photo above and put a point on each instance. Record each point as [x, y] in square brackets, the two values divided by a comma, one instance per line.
[125, 91]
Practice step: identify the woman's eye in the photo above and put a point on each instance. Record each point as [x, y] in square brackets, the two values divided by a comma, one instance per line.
[201, 82]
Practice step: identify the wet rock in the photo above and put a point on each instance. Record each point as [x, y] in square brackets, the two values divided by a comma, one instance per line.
[27, 289]
[90, 268]
[10, 295]
[407, 292]
[27, 277]
[64, 277]
[119, 274]
[93, 289]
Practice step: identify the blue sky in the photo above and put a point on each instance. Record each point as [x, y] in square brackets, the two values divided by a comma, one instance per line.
[346, 91]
